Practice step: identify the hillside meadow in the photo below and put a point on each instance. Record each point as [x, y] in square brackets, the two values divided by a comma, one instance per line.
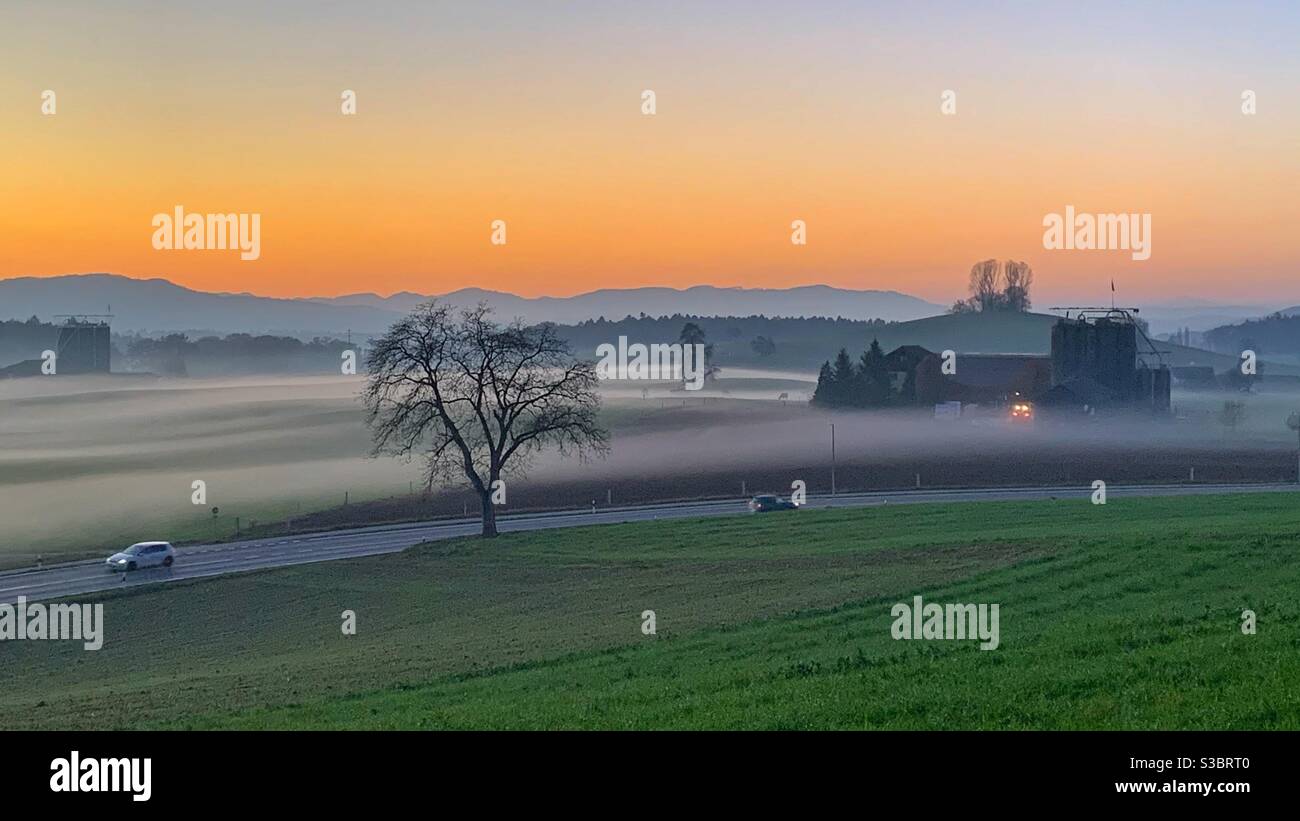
[1126, 615]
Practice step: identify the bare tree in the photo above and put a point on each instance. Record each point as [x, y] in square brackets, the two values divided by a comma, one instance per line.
[1232, 414]
[693, 334]
[476, 399]
[985, 281]
[997, 286]
[1017, 277]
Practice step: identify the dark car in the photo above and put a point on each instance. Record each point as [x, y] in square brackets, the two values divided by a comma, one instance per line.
[762, 504]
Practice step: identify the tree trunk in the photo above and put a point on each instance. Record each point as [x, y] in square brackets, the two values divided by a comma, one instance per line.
[489, 515]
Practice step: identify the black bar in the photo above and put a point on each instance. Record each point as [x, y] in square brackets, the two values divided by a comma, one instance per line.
[330, 770]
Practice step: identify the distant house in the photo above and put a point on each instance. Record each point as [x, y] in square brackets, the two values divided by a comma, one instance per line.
[1095, 362]
[1077, 393]
[991, 378]
[901, 363]
[1194, 376]
[28, 367]
[85, 346]
[917, 374]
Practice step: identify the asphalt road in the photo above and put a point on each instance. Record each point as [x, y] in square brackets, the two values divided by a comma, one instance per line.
[197, 561]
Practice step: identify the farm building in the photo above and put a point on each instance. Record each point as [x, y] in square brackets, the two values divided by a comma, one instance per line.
[84, 346]
[1095, 361]
[982, 378]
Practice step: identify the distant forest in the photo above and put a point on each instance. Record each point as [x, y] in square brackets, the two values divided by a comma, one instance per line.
[181, 355]
[25, 339]
[749, 341]
[752, 341]
[232, 355]
[773, 343]
[1276, 335]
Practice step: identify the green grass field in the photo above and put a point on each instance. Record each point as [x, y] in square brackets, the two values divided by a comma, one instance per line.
[1118, 616]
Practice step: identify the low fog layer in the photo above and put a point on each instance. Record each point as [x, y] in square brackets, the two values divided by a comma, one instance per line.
[678, 438]
[113, 458]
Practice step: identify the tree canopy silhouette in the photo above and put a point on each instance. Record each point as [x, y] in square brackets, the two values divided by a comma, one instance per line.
[476, 400]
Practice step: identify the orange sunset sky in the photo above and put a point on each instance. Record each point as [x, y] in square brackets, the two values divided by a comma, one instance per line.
[767, 113]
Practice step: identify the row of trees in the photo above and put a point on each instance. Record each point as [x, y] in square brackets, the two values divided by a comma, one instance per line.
[231, 345]
[25, 339]
[739, 339]
[178, 355]
[861, 384]
[171, 354]
[997, 286]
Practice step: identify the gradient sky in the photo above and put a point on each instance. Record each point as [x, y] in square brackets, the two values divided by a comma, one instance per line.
[767, 112]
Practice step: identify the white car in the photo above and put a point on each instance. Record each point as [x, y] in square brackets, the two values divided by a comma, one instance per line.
[143, 554]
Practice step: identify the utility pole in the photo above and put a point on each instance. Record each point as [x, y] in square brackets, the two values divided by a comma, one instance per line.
[1293, 422]
[832, 458]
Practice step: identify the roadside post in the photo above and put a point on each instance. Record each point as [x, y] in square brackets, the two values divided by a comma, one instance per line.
[1293, 422]
[832, 458]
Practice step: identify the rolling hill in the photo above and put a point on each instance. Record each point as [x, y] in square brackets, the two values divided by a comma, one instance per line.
[157, 305]
[803, 344]
[807, 324]
[701, 300]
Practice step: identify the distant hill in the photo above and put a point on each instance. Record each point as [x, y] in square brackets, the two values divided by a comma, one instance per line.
[1166, 318]
[803, 344]
[156, 305]
[733, 318]
[1032, 333]
[701, 300]
[1179, 355]
[995, 332]
[1276, 335]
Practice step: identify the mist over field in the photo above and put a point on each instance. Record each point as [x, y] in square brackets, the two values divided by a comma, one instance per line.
[96, 454]
[92, 463]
